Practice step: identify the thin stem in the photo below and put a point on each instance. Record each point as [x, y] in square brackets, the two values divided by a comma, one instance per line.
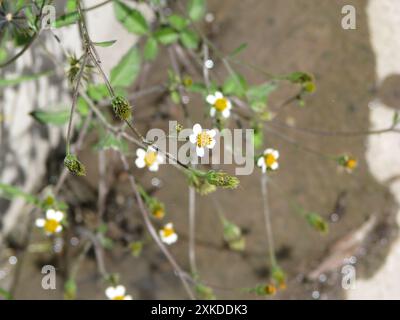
[153, 231]
[192, 230]
[267, 219]
[74, 100]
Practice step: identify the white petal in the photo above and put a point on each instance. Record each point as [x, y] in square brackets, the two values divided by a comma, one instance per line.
[212, 133]
[197, 129]
[128, 297]
[268, 151]
[260, 162]
[40, 222]
[275, 166]
[171, 239]
[59, 229]
[140, 153]
[154, 167]
[275, 153]
[140, 163]
[226, 113]
[212, 144]
[200, 151]
[169, 225]
[160, 158]
[229, 106]
[58, 216]
[213, 112]
[218, 95]
[110, 292]
[193, 138]
[211, 99]
[50, 214]
[119, 291]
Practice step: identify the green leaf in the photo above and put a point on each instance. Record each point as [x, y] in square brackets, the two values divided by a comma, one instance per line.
[5, 294]
[261, 92]
[131, 19]
[189, 39]
[166, 35]
[196, 9]
[57, 118]
[67, 19]
[177, 22]
[236, 85]
[127, 70]
[239, 49]
[10, 192]
[82, 107]
[105, 44]
[110, 141]
[23, 78]
[97, 92]
[150, 51]
[396, 118]
[3, 54]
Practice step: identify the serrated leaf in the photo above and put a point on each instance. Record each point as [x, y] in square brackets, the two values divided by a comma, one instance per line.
[189, 39]
[127, 70]
[105, 44]
[131, 19]
[166, 35]
[196, 9]
[150, 51]
[57, 118]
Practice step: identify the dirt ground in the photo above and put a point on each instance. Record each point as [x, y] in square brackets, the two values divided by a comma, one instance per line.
[282, 36]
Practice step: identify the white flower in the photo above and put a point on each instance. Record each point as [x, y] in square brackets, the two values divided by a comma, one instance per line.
[269, 160]
[117, 293]
[202, 139]
[167, 234]
[219, 104]
[52, 223]
[149, 158]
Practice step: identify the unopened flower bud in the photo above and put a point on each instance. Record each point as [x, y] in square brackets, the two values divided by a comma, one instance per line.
[74, 165]
[122, 108]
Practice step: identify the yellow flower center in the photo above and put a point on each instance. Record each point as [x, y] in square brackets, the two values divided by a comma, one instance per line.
[203, 139]
[221, 104]
[270, 289]
[269, 159]
[168, 232]
[51, 225]
[150, 158]
[351, 164]
[119, 298]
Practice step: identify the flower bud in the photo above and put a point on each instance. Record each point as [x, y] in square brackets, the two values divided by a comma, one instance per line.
[122, 108]
[74, 165]
[317, 222]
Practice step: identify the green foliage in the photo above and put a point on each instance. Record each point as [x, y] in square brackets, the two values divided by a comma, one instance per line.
[177, 22]
[204, 292]
[57, 118]
[258, 95]
[189, 39]
[23, 78]
[136, 248]
[70, 289]
[127, 70]
[196, 9]
[166, 35]
[150, 51]
[10, 192]
[317, 222]
[105, 44]
[235, 85]
[131, 19]
[110, 141]
[5, 294]
[233, 236]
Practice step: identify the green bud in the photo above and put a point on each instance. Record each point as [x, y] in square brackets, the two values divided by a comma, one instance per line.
[279, 277]
[200, 184]
[317, 222]
[136, 248]
[222, 179]
[74, 165]
[122, 108]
